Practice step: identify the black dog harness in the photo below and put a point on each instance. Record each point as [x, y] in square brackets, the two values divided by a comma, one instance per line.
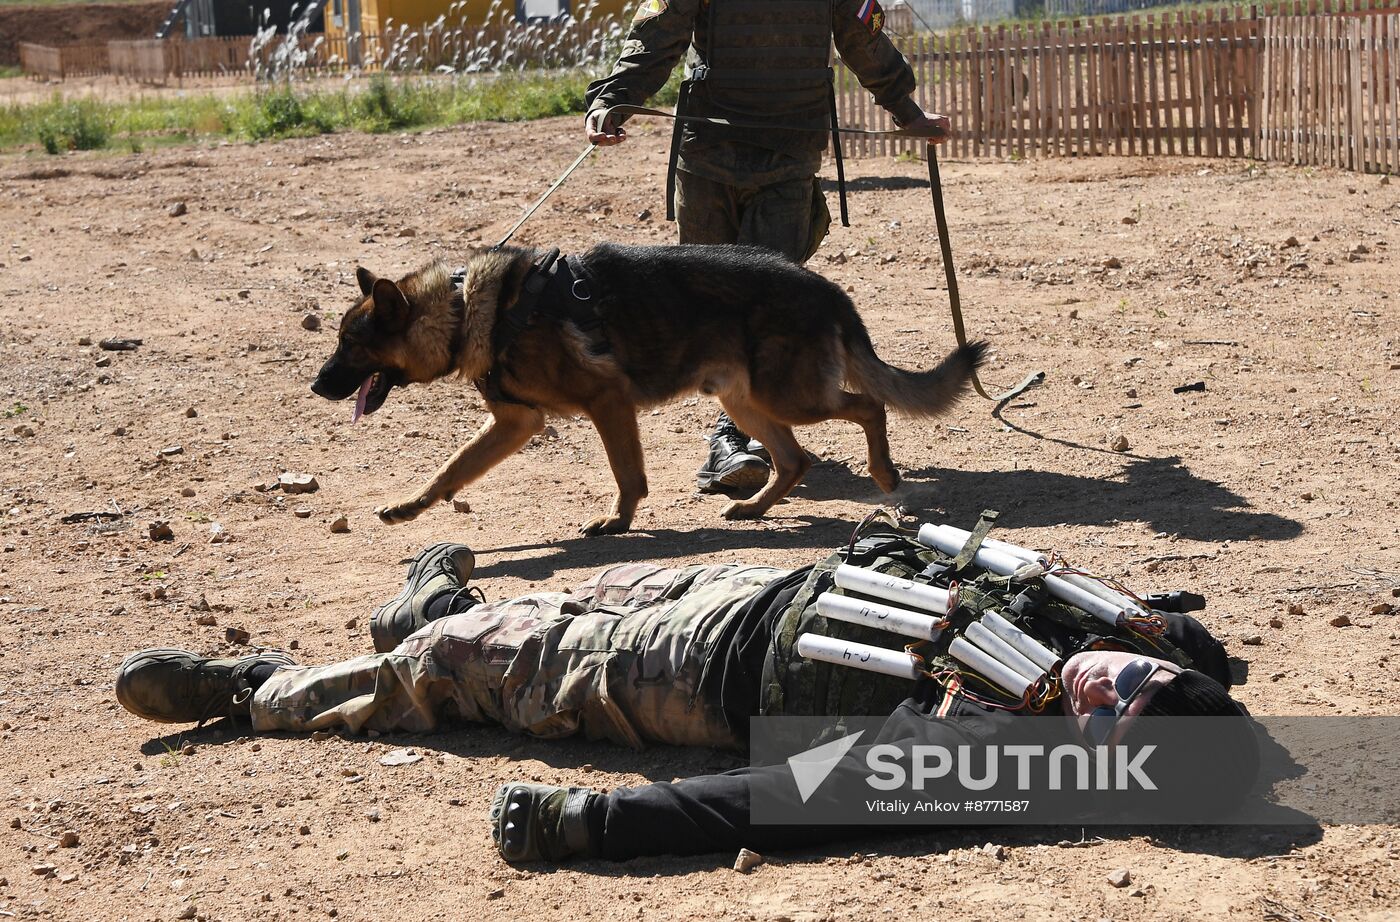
[556, 287]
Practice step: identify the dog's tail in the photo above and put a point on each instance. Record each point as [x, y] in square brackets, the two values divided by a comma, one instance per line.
[918, 393]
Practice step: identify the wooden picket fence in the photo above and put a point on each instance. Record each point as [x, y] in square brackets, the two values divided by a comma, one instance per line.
[1315, 82]
[1329, 92]
[143, 60]
[47, 62]
[1229, 83]
[1180, 84]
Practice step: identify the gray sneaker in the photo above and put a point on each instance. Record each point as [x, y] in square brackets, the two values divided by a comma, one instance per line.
[436, 569]
[733, 465]
[540, 822]
[179, 687]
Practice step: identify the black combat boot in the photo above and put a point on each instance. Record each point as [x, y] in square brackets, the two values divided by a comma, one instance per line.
[436, 571]
[178, 687]
[541, 822]
[736, 463]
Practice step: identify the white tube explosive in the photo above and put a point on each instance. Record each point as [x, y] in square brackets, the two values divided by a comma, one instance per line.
[974, 658]
[1002, 652]
[1004, 564]
[1022, 642]
[1107, 593]
[996, 561]
[858, 656]
[892, 588]
[878, 615]
[961, 535]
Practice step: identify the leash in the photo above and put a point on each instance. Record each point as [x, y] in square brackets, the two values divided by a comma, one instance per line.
[547, 193]
[940, 216]
[935, 188]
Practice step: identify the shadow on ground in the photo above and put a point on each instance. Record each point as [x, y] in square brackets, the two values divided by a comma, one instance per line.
[1161, 493]
[876, 184]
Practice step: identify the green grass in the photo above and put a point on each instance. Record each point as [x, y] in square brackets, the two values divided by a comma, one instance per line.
[8, 71]
[384, 104]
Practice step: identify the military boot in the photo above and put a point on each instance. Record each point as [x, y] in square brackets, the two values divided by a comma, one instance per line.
[540, 822]
[734, 463]
[436, 570]
[178, 687]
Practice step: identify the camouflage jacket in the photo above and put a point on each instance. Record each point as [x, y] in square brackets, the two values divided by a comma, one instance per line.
[662, 30]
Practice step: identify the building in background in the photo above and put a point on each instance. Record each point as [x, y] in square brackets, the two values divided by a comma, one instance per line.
[368, 17]
[203, 18]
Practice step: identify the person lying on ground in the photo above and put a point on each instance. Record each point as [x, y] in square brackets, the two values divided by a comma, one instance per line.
[642, 654]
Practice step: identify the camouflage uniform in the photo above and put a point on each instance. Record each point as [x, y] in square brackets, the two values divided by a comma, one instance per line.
[620, 658]
[755, 61]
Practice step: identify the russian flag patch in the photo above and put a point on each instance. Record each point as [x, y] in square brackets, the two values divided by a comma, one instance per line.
[872, 15]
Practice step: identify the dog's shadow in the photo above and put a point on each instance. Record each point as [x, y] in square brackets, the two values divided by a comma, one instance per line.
[797, 532]
[1160, 492]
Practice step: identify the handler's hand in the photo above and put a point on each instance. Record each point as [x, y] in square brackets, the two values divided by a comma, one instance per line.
[603, 131]
[937, 128]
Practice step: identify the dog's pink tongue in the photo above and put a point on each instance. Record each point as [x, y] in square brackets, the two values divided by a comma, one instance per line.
[360, 400]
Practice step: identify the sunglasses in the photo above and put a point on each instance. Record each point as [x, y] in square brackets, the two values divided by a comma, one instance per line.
[1128, 685]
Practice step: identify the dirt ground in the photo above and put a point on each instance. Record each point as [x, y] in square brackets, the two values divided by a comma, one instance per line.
[1273, 491]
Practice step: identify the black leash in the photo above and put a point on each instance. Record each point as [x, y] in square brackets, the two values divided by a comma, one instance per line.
[935, 188]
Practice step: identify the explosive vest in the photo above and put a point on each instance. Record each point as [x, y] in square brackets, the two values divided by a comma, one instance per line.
[756, 62]
[792, 685]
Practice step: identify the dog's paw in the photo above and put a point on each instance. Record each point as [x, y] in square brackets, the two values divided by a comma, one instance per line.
[606, 525]
[744, 510]
[887, 480]
[402, 512]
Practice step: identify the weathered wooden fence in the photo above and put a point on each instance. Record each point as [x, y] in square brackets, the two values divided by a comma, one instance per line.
[1293, 86]
[144, 60]
[57, 63]
[1329, 92]
[1228, 83]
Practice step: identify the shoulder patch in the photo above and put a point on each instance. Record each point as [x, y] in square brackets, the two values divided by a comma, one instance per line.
[651, 8]
[872, 14]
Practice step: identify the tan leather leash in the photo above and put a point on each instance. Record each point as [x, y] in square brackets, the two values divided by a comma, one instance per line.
[935, 188]
[935, 185]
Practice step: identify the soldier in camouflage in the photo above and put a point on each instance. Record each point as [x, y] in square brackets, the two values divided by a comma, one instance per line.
[756, 62]
[641, 654]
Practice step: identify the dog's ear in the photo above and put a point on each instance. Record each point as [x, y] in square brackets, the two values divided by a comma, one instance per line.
[366, 279]
[391, 308]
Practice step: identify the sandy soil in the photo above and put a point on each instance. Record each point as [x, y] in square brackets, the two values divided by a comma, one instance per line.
[1273, 491]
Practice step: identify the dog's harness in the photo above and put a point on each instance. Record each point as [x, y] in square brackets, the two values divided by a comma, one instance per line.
[935, 188]
[557, 287]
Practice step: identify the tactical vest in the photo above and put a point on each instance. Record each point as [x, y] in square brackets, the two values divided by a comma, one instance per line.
[796, 686]
[766, 59]
[760, 61]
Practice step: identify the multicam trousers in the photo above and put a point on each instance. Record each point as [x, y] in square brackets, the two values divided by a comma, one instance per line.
[620, 658]
[789, 216]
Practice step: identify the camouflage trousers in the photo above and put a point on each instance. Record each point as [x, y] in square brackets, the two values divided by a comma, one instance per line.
[790, 217]
[620, 658]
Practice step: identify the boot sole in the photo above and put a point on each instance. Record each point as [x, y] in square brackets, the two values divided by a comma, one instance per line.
[748, 476]
[122, 689]
[414, 568]
[158, 653]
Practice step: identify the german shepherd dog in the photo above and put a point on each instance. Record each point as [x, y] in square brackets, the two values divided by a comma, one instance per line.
[780, 346]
